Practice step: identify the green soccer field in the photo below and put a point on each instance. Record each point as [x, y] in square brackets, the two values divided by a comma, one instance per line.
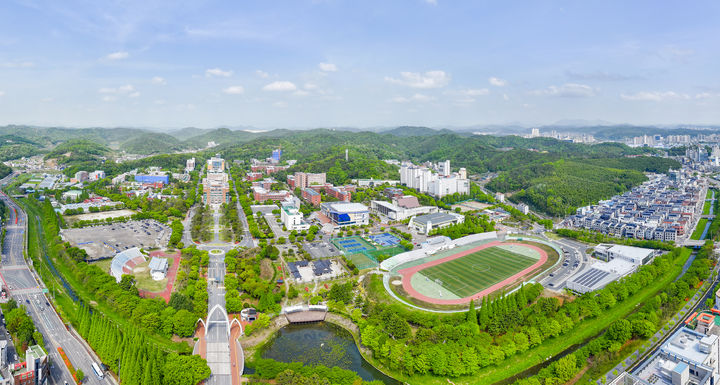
[470, 274]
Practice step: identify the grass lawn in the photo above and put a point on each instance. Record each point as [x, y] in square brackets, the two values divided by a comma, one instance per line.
[706, 208]
[361, 261]
[475, 272]
[104, 264]
[699, 229]
[144, 281]
[553, 346]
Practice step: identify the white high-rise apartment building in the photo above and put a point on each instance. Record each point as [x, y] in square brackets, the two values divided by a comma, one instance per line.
[441, 184]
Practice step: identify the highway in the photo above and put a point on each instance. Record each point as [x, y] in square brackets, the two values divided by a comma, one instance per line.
[27, 290]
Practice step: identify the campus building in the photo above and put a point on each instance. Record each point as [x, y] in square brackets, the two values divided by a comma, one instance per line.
[345, 213]
[688, 357]
[262, 194]
[253, 176]
[401, 208]
[311, 196]
[636, 255]
[216, 188]
[425, 224]
[190, 165]
[216, 164]
[154, 175]
[304, 179]
[292, 218]
[158, 268]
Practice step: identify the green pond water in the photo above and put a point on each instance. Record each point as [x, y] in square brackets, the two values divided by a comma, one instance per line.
[321, 343]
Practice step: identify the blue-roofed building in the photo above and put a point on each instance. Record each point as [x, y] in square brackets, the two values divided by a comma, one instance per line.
[152, 178]
[343, 214]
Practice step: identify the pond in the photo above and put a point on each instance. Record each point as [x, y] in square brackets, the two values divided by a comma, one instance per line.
[321, 343]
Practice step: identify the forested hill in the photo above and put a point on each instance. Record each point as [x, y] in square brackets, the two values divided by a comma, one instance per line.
[559, 187]
[553, 176]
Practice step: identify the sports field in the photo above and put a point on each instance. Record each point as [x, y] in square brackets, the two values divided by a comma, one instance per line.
[474, 272]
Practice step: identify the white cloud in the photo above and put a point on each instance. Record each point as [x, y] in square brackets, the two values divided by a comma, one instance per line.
[567, 90]
[217, 72]
[2, 93]
[280, 86]
[505, 97]
[280, 104]
[414, 98]
[475, 92]
[159, 81]
[134, 94]
[328, 67]
[310, 86]
[705, 95]
[262, 74]
[431, 2]
[234, 90]
[301, 93]
[159, 102]
[18, 64]
[108, 98]
[497, 82]
[654, 96]
[122, 90]
[117, 55]
[429, 79]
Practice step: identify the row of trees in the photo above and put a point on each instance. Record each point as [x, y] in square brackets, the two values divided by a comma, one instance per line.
[134, 358]
[131, 316]
[509, 325]
[177, 233]
[200, 224]
[642, 324]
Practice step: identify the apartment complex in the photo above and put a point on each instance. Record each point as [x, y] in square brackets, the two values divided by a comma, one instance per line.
[663, 208]
[434, 179]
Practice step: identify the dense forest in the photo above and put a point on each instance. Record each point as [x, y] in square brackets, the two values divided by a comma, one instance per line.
[559, 187]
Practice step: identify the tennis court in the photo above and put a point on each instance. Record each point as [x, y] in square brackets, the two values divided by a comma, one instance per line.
[352, 245]
[385, 239]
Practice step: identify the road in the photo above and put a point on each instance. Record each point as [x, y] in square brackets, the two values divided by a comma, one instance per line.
[574, 260]
[26, 289]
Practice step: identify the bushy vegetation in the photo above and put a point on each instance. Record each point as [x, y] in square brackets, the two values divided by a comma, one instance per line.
[296, 373]
[134, 359]
[473, 224]
[463, 344]
[20, 326]
[640, 325]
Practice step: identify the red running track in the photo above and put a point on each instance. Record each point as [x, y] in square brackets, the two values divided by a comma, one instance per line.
[410, 271]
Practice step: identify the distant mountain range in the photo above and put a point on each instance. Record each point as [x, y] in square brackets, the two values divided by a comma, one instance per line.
[17, 140]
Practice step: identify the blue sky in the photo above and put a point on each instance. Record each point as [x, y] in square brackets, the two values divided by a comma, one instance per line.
[321, 63]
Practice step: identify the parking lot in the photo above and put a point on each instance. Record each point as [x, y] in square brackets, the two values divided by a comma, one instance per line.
[319, 250]
[107, 240]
